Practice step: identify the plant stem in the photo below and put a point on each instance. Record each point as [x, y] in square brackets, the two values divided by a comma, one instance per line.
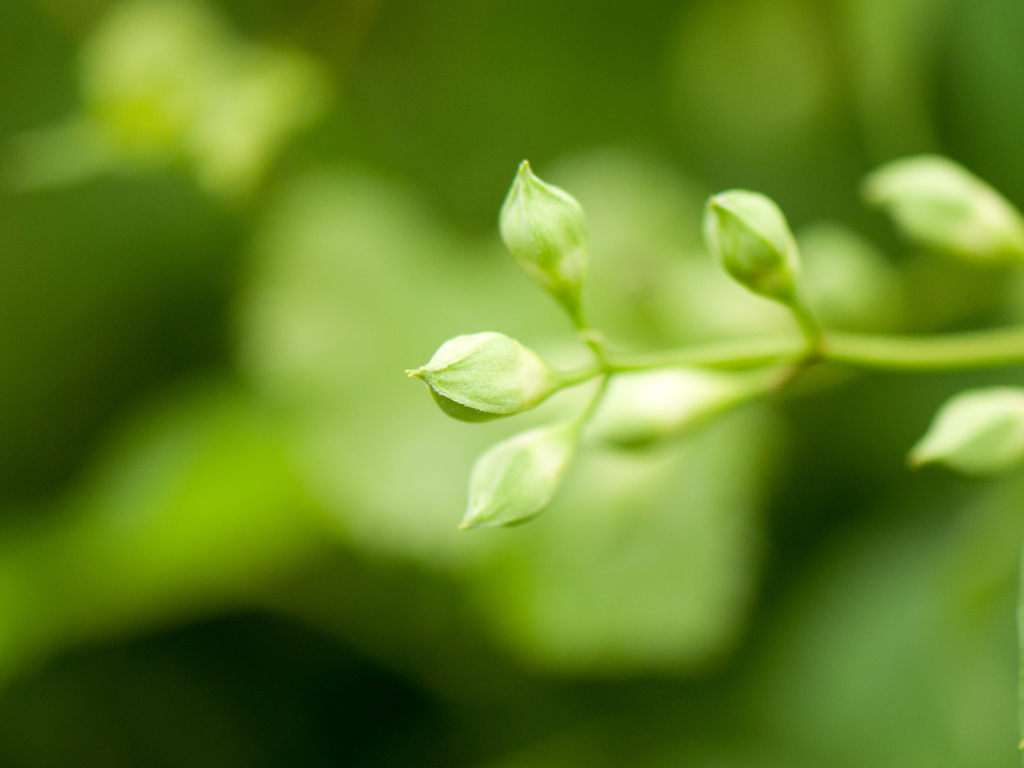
[598, 345]
[572, 378]
[811, 329]
[960, 351]
[979, 349]
[736, 354]
[580, 421]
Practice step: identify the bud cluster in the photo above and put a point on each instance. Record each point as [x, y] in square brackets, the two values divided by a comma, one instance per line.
[487, 376]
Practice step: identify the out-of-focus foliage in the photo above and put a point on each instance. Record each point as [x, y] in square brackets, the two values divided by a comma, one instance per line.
[164, 82]
[197, 505]
[228, 520]
[851, 285]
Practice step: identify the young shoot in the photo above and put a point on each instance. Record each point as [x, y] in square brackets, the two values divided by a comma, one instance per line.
[653, 396]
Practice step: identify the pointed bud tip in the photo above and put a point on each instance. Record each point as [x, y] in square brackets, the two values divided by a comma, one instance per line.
[469, 523]
[416, 373]
[525, 178]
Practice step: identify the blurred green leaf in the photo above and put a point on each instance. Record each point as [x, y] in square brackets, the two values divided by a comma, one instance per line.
[195, 508]
[900, 649]
[894, 50]
[850, 285]
[757, 71]
[106, 293]
[164, 82]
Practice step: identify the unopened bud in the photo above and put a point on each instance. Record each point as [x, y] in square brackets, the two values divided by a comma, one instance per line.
[641, 408]
[546, 232]
[749, 237]
[938, 203]
[517, 478]
[978, 432]
[485, 376]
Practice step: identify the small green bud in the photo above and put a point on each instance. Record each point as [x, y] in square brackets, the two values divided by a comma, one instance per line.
[749, 237]
[517, 478]
[940, 204]
[485, 376]
[641, 408]
[546, 232]
[978, 432]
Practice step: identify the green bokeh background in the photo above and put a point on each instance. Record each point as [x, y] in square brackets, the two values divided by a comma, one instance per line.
[228, 521]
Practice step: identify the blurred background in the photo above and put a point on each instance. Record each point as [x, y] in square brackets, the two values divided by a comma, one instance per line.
[227, 519]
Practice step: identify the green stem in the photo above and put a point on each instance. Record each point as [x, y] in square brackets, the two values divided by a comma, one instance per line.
[980, 349]
[598, 345]
[580, 375]
[595, 401]
[725, 355]
[810, 327]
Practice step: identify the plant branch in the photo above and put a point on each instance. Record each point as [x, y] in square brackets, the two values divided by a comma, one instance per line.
[978, 349]
[580, 375]
[735, 354]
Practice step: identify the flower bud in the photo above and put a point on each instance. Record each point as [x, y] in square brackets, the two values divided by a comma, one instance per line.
[978, 432]
[546, 232]
[940, 204]
[749, 237]
[517, 478]
[640, 408]
[485, 376]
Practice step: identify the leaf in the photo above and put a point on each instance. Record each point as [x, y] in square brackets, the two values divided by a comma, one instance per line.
[196, 508]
